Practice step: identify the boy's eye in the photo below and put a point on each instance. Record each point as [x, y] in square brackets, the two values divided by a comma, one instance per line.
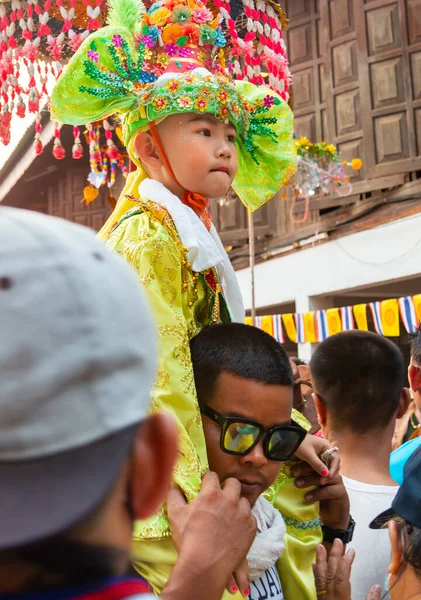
[205, 132]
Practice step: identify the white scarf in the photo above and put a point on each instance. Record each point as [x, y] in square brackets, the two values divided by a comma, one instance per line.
[205, 249]
[269, 541]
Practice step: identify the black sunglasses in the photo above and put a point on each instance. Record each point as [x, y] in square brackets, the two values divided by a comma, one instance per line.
[239, 436]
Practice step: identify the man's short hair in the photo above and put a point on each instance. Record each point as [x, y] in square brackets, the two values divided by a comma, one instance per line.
[238, 349]
[359, 376]
[415, 345]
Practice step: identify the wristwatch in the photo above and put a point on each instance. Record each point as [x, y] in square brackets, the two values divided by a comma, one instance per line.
[329, 535]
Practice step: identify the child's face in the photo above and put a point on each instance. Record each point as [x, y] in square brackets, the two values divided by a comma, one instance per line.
[268, 405]
[201, 152]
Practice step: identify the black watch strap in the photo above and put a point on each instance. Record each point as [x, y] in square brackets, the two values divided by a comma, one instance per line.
[329, 535]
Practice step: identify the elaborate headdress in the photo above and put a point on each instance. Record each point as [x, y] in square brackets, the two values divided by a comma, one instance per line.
[145, 66]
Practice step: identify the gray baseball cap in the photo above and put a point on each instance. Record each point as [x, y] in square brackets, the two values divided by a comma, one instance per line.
[77, 361]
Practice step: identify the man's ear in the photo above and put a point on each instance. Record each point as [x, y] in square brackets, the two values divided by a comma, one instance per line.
[320, 409]
[414, 376]
[154, 456]
[147, 151]
[397, 559]
[404, 402]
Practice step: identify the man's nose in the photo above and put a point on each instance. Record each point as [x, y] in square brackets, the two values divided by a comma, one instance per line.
[256, 457]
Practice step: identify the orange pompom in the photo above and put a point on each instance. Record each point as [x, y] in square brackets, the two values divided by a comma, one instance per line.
[356, 164]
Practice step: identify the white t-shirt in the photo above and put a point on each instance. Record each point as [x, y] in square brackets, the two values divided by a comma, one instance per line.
[372, 546]
[268, 587]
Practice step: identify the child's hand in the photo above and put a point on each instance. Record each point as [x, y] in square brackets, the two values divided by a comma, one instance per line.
[332, 495]
[311, 451]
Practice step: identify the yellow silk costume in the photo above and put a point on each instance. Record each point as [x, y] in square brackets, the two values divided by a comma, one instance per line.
[184, 303]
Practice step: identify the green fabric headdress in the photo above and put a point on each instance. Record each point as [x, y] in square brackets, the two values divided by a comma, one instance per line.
[144, 68]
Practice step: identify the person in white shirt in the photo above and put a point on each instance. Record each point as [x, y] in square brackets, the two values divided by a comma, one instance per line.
[358, 379]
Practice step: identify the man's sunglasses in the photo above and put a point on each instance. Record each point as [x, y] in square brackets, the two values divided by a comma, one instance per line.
[239, 436]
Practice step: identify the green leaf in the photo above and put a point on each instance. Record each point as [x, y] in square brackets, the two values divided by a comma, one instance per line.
[182, 41]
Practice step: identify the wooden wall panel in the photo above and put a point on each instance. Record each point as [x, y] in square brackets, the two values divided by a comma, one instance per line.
[414, 21]
[391, 137]
[387, 82]
[416, 74]
[345, 69]
[348, 112]
[418, 129]
[300, 44]
[341, 15]
[383, 29]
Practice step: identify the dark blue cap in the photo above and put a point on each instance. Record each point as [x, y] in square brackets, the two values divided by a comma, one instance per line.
[406, 503]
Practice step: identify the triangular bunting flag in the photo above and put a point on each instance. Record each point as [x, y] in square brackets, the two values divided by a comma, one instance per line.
[389, 312]
[278, 331]
[375, 308]
[417, 304]
[334, 324]
[408, 314]
[309, 330]
[299, 324]
[360, 314]
[290, 328]
[267, 324]
[321, 325]
[347, 318]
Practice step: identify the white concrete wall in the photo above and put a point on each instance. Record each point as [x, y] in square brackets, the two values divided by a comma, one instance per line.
[391, 251]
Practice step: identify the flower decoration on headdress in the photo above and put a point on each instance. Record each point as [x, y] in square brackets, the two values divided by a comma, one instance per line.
[167, 61]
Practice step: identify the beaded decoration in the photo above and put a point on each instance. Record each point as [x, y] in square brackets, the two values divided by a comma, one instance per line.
[185, 91]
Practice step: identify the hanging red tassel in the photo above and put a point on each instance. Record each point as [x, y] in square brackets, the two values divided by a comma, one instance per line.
[77, 150]
[58, 151]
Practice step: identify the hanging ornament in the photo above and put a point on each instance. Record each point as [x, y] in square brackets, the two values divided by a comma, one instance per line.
[77, 150]
[90, 193]
[38, 147]
[58, 151]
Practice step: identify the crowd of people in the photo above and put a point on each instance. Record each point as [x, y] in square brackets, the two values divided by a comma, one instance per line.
[150, 441]
[81, 460]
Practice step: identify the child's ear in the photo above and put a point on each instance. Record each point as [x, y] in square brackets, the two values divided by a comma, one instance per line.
[147, 151]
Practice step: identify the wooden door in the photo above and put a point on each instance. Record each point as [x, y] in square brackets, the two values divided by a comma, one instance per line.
[356, 68]
[65, 195]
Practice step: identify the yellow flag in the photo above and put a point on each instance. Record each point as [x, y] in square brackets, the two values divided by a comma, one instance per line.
[360, 314]
[248, 321]
[389, 311]
[417, 304]
[290, 328]
[309, 331]
[267, 324]
[334, 323]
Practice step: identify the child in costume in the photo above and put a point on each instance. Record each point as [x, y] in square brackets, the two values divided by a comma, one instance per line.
[192, 133]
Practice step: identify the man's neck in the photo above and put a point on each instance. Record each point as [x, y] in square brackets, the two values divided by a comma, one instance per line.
[365, 457]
